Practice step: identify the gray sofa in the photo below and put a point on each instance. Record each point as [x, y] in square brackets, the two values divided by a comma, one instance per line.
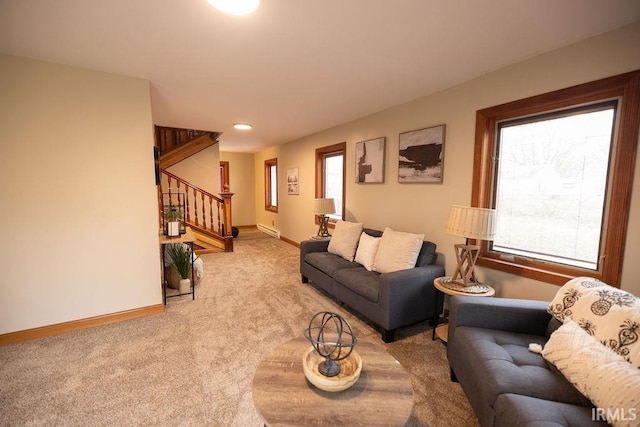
[506, 384]
[390, 300]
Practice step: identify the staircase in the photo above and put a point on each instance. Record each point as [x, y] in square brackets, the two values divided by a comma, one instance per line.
[209, 216]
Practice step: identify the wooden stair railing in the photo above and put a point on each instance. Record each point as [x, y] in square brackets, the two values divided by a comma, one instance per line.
[169, 138]
[183, 144]
[205, 213]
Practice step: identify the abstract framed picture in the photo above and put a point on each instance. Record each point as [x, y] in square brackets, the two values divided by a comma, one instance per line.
[370, 161]
[421, 155]
[292, 181]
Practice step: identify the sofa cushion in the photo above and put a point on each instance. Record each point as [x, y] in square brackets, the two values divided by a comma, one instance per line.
[367, 249]
[502, 363]
[597, 371]
[359, 280]
[397, 251]
[344, 240]
[518, 410]
[427, 255]
[372, 232]
[327, 263]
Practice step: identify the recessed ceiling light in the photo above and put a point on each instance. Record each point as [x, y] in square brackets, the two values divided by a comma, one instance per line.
[242, 126]
[235, 7]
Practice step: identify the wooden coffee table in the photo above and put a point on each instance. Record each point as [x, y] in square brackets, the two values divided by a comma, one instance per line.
[383, 394]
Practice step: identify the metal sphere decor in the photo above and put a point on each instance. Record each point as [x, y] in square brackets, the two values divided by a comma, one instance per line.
[332, 338]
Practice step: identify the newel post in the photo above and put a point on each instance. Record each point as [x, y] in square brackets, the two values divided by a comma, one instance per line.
[228, 237]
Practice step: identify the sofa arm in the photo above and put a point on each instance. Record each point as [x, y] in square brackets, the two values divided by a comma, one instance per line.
[313, 245]
[513, 315]
[408, 295]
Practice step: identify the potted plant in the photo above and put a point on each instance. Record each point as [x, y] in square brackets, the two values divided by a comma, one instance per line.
[172, 215]
[181, 257]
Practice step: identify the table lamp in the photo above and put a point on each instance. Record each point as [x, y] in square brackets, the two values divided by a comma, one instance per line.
[470, 223]
[322, 207]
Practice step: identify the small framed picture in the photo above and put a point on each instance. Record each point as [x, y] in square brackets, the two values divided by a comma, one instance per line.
[292, 181]
[370, 161]
[421, 155]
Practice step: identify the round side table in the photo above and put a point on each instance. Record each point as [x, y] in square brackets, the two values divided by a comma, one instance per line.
[442, 330]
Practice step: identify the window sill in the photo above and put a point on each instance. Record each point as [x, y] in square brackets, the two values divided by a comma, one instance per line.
[548, 273]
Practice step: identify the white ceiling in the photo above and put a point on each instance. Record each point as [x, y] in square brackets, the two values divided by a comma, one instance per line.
[295, 67]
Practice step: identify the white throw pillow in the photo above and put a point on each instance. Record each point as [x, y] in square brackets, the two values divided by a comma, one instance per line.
[367, 249]
[610, 314]
[397, 251]
[344, 240]
[610, 382]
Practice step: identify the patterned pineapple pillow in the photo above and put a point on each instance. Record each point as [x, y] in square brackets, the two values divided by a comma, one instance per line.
[609, 314]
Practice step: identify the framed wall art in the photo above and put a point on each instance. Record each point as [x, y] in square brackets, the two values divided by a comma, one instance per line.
[370, 161]
[421, 155]
[292, 181]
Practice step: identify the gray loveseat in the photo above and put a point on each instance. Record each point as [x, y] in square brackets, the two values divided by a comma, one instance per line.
[506, 384]
[390, 300]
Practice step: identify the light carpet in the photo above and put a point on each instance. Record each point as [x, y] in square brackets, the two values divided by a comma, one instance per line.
[193, 365]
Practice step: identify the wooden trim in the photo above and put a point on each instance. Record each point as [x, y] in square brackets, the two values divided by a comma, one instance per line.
[268, 205]
[319, 190]
[224, 176]
[626, 87]
[75, 325]
[179, 153]
[289, 241]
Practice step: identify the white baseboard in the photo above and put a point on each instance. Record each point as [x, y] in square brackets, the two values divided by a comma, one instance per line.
[270, 231]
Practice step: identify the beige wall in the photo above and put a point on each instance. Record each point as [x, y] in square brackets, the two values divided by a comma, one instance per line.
[423, 208]
[79, 228]
[202, 169]
[242, 184]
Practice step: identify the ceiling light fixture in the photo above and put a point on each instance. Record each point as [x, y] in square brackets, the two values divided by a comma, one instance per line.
[235, 7]
[242, 126]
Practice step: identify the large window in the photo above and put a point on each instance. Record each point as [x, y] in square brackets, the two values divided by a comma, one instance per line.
[330, 173]
[558, 169]
[551, 183]
[271, 185]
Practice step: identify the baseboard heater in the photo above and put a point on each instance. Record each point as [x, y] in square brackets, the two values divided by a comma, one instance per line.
[270, 231]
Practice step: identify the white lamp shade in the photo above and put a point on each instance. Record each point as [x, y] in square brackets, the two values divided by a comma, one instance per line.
[324, 206]
[470, 222]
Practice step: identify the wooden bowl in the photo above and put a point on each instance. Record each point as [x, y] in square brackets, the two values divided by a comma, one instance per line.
[350, 369]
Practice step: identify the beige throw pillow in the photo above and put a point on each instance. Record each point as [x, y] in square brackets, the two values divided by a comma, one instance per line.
[609, 381]
[344, 240]
[367, 249]
[397, 251]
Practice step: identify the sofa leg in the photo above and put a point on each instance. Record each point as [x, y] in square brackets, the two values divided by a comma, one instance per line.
[453, 376]
[304, 279]
[387, 336]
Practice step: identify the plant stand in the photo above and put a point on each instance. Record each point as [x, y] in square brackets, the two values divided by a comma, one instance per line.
[188, 237]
